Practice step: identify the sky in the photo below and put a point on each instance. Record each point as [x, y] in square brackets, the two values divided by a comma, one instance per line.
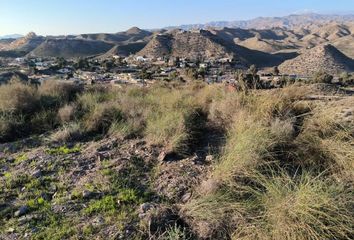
[56, 17]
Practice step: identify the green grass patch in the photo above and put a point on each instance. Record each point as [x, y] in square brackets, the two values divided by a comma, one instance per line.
[64, 150]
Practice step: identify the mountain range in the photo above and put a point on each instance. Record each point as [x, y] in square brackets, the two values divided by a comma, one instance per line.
[265, 42]
[290, 22]
[11, 36]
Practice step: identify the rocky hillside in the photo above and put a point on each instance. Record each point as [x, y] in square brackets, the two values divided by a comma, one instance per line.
[322, 58]
[193, 45]
[26, 43]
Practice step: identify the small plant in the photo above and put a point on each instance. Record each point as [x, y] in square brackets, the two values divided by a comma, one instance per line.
[63, 150]
[106, 204]
[175, 233]
[128, 196]
[67, 133]
[21, 158]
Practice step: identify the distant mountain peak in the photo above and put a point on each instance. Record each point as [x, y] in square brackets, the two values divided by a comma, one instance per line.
[134, 30]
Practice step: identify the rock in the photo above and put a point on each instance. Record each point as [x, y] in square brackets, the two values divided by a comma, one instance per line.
[87, 194]
[162, 156]
[209, 158]
[98, 221]
[145, 207]
[209, 186]
[22, 211]
[37, 173]
[186, 197]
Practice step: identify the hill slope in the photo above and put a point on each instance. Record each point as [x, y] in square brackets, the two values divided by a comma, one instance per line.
[69, 48]
[324, 57]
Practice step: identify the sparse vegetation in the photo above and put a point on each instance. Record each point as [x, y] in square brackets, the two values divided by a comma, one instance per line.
[283, 168]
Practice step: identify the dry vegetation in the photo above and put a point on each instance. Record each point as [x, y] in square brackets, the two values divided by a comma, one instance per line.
[284, 172]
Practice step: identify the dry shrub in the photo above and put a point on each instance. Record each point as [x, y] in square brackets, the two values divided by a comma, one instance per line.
[18, 98]
[66, 113]
[326, 143]
[213, 216]
[68, 133]
[60, 90]
[301, 207]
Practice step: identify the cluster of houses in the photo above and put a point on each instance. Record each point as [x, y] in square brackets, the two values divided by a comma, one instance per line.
[129, 70]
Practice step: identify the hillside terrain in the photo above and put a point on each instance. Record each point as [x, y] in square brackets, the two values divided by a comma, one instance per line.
[176, 161]
[321, 58]
[265, 42]
[69, 48]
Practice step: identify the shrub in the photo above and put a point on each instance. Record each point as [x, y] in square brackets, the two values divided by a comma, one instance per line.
[89, 100]
[43, 121]
[66, 113]
[68, 133]
[100, 119]
[302, 207]
[11, 126]
[322, 77]
[346, 79]
[18, 98]
[106, 204]
[56, 92]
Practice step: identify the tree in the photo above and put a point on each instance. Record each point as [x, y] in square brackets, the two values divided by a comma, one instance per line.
[252, 74]
[144, 74]
[61, 62]
[82, 64]
[276, 71]
[253, 70]
[108, 65]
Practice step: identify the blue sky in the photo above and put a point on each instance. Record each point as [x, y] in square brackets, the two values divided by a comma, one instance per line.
[52, 17]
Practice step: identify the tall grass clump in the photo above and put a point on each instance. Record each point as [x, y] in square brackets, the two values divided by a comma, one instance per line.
[100, 119]
[248, 144]
[295, 207]
[170, 118]
[326, 143]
